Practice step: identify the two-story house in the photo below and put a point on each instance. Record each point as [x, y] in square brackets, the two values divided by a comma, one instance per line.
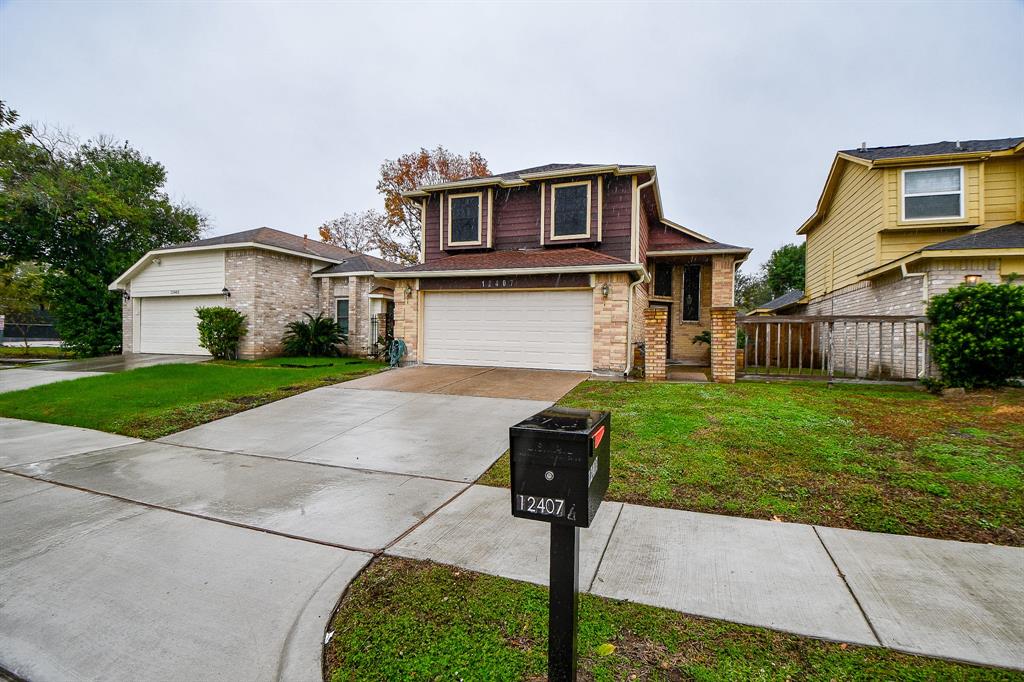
[895, 226]
[554, 267]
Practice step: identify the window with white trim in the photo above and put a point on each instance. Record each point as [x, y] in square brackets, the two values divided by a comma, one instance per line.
[933, 193]
[464, 219]
[570, 213]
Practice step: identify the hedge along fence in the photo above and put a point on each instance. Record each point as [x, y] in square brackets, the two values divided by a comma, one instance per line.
[220, 330]
[977, 334]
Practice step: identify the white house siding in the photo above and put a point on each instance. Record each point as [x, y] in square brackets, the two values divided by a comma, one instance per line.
[181, 274]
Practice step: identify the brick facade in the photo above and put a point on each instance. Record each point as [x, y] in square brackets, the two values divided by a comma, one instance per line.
[611, 317]
[723, 344]
[408, 303]
[655, 338]
[127, 321]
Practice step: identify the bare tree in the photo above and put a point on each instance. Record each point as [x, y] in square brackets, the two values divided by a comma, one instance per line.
[357, 231]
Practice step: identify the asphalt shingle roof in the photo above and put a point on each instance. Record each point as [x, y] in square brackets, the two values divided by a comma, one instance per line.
[359, 262]
[934, 148]
[788, 298]
[268, 236]
[546, 168]
[1004, 237]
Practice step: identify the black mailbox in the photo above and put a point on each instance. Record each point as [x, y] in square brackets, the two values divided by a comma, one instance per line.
[560, 465]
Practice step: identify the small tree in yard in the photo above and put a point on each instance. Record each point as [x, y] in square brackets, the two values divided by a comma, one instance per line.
[21, 295]
[977, 335]
[220, 330]
[318, 337]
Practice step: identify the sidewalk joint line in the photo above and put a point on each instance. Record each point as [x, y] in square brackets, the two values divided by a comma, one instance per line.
[849, 589]
[600, 560]
[426, 518]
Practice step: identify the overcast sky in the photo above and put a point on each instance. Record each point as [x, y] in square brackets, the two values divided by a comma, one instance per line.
[280, 114]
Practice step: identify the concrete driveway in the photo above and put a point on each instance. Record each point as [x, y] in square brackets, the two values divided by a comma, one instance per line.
[220, 552]
[51, 372]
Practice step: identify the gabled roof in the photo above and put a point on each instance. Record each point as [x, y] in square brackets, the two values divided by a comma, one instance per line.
[1004, 237]
[935, 149]
[268, 236]
[525, 261]
[905, 155]
[358, 262]
[523, 177]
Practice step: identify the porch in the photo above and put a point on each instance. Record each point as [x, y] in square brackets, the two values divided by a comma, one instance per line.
[690, 318]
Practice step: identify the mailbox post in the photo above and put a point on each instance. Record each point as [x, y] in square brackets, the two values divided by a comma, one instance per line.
[559, 462]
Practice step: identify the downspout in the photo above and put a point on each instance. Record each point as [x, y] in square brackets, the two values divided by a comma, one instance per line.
[644, 278]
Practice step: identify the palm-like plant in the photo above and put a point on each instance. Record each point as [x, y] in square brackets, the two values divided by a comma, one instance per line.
[317, 337]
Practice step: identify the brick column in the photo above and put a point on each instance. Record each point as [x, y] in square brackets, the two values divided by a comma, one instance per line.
[655, 343]
[407, 318]
[723, 344]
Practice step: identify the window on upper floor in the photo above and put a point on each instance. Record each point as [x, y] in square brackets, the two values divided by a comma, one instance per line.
[933, 193]
[662, 279]
[464, 216]
[691, 293]
[570, 210]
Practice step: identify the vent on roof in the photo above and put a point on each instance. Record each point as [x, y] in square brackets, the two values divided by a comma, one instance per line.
[958, 147]
[863, 146]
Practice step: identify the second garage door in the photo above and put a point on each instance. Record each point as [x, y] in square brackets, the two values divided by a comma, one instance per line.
[538, 329]
[169, 324]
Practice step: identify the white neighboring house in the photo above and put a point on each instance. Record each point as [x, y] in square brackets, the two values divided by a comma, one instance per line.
[272, 277]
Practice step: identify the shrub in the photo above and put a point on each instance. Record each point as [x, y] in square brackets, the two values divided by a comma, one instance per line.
[317, 337]
[977, 335]
[220, 330]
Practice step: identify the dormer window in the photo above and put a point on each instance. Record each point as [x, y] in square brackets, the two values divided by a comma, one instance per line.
[570, 210]
[933, 193]
[465, 216]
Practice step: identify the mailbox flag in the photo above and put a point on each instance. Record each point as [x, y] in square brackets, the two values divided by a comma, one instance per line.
[598, 435]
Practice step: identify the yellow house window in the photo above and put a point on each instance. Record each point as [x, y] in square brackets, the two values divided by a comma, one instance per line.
[933, 193]
[570, 210]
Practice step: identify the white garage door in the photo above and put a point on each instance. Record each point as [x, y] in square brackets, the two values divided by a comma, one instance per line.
[541, 329]
[168, 324]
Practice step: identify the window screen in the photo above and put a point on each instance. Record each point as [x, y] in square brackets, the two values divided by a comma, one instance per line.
[691, 293]
[465, 219]
[571, 210]
[342, 316]
[662, 280]
[933, 193]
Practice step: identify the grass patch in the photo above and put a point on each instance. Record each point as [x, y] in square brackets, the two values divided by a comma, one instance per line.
[35, 353]
[878, 458]
[155, 401]
[404, 620]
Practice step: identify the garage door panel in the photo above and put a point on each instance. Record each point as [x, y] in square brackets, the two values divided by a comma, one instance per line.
[169, 324]
[543, 329]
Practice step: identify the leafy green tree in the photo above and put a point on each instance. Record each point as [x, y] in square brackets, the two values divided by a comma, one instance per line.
[751, 290]
[785, 269]
[88, 210]
[977, 334]
[21, 296]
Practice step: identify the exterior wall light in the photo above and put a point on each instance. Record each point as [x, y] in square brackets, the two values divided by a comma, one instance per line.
[604, 289]
[972, 279]
[227, 294]
[125, 294]
[408, 292]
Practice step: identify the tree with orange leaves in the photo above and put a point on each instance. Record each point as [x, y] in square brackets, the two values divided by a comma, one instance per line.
[400, 241]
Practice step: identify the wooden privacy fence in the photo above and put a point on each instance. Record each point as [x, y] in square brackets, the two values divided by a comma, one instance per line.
[892, 347]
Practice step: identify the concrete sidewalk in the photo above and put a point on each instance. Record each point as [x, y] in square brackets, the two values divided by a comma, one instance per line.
[939, 598]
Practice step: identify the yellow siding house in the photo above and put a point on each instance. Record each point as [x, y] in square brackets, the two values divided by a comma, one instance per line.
[895, 226]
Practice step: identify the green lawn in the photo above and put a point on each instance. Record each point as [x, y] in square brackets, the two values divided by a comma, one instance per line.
[35, 352]
[407, 620]
[879, 458]
[155, 401]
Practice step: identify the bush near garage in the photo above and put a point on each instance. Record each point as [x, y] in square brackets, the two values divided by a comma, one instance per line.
[316, 337]
[220, 330]
[977, 335]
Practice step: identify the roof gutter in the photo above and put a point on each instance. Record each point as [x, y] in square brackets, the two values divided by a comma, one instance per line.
[487, 272]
